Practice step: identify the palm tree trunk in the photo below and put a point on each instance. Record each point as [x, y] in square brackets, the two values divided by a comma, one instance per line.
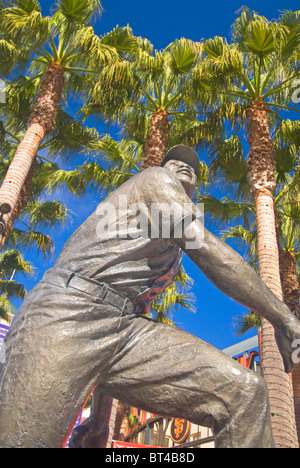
[112, 421]
[21, 203]
[42, 122]
[289, 280]
[157, 141]
[291, 293]
[122, 421]
[261, 163]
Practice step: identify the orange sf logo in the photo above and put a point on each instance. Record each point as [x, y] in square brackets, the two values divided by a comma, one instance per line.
[179, 426]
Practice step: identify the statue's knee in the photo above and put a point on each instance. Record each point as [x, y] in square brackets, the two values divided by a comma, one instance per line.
[256, 389]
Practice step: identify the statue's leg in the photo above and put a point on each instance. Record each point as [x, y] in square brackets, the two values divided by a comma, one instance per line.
[60, 343]
[169, 372]
[94, 432]
[64, 343]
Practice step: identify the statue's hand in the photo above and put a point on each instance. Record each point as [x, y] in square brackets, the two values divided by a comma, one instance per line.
[286, 340]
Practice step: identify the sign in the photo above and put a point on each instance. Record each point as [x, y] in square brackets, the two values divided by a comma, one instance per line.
[3, 331]
[180, 429]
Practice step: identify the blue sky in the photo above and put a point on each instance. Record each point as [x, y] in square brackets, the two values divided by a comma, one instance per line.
[163, 21]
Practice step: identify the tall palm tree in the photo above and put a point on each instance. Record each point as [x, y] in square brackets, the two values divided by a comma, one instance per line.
[154, 97]
[242, 210]
[60, 48]
[68, 139]
[257, 71]
[289, 259]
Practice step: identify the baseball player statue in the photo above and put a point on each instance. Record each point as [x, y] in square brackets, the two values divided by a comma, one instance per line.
[84, 326]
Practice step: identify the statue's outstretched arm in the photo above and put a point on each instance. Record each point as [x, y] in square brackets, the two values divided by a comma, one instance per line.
[230, 273]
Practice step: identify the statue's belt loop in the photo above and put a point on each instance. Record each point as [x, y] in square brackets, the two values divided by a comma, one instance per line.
[102, 291]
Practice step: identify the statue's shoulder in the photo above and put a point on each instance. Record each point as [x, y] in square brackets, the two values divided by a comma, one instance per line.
[151, 171]
[157, 175]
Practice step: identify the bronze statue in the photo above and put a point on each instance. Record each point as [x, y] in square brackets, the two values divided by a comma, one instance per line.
[83, 326]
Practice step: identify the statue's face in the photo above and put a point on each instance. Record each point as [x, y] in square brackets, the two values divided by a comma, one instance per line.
[185, 173]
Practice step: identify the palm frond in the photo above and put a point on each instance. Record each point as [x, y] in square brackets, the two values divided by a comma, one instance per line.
[70, 138]
[246, 323]
[244, 238]
[47, 215]
[53, 178]
[121, 39]
[25, 23]
[12, 263]
[183, 55]
[125, 154]
[172, 298]
[79, 11]
[285, 162]
[222, 212]
[260, 38]
[100, 53]
[12, 260]
[119, 162]
[22, 240]
[8, 53]
[12, 289]
[5, 308]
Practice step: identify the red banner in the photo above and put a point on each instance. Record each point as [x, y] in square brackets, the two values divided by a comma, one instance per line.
[118, 444]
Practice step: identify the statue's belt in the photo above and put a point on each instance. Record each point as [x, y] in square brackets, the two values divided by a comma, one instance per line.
[66, 279]
[102, 291]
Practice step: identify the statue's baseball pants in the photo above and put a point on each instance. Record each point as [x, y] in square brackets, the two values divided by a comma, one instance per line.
[65, 342]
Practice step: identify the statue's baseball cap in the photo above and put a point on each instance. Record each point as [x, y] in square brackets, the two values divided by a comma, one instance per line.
[185, 154]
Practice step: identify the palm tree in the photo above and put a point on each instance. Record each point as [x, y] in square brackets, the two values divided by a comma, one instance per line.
[62, 48]
[173, 298]
[154, 96]
[256, 72]
[289, 259]
[69, 138]
[12, 264]
[35, 212]
[242, 210]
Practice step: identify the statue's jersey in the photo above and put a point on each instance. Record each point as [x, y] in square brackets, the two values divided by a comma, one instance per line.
[127, 241]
